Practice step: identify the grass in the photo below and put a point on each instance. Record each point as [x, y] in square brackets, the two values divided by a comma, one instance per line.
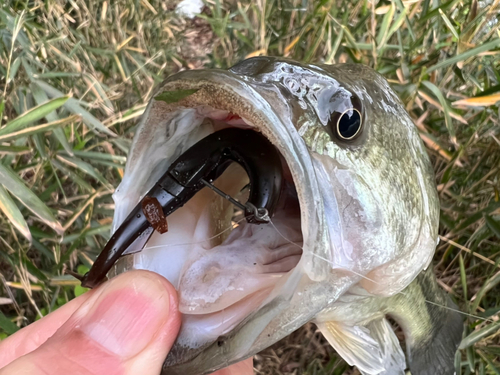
[75, 77]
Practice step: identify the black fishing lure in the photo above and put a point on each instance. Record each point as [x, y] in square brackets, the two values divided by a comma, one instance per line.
[198, 167]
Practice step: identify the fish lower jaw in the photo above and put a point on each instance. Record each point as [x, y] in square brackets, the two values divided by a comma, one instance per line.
[222, 267]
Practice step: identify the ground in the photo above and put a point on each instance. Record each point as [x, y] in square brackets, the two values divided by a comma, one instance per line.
[75, 76]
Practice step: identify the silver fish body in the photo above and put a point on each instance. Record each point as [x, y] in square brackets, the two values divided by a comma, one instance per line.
[353, 254]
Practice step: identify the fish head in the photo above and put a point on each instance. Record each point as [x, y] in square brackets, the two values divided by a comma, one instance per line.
[359, 205]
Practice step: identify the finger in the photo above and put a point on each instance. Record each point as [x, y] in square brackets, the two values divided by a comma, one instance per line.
[241, 368]
[34, 335]
[127, 326]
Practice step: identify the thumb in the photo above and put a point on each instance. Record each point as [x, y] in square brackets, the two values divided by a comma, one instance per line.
[127, 326]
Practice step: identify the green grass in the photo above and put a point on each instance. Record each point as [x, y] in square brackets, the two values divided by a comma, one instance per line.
[75, 76]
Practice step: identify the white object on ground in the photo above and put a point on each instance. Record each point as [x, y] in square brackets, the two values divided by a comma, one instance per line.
[189, 8]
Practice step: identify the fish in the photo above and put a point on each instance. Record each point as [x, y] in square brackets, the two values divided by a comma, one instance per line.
[349, 247]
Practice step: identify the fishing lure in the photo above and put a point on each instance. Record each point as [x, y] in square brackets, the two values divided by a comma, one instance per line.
[198, 167]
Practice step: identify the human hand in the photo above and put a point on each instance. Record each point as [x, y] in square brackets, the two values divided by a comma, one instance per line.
[125, 326]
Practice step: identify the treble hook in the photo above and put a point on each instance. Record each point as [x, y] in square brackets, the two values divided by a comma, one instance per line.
[196, 168]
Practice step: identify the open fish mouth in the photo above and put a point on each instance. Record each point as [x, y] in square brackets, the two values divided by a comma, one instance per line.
[357, 214]
[224, 268]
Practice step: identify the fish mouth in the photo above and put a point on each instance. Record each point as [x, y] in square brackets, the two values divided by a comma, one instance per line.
[223, 268]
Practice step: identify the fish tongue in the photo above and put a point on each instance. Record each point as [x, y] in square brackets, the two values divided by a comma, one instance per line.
[250, 260]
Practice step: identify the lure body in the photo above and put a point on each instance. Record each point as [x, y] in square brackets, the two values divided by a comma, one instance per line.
[204, 162]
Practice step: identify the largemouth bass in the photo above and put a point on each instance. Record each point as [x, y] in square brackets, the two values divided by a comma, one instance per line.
[349, 246]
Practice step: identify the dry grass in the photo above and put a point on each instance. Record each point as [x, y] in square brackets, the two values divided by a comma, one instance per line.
[57, 175]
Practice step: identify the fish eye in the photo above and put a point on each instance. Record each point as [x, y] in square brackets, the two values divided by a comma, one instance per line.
[347, 125]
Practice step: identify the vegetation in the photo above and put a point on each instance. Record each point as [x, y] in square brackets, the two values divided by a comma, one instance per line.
[76, 75]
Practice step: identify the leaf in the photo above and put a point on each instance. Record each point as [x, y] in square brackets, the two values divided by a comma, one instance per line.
[478, 335]
[33, 115]
[73, 106]
[10, 209]
[259, 52]
[79, 290]
[489, 91]
[43, 250]
[397, 24]
[14, 150]
[57, 75]
[39, 129]
[493, 224]
[446, 109]
[85, 168]
[384, 27]
[13, 69]
[34, 270]
[7, 325]
[174, 96]
[292, 44]
[481, 101]
[490, 363]
[82, 269]
[63, 280]
[73, 176]
[108, 106]
[434, 12]
[103, 230]
[489, 284]
[80, 210]
[101, 156]
[472, 52]
[468, 31]
[40, 97]
[15, 26]
[29, 199]
[448, 23]
[335, 47]
[350, 38]
[476, 216]
[458, 363]
[463, 275]
[470, 355]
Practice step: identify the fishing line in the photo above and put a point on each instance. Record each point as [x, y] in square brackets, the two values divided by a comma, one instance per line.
[460, 312]
[224, 195]
[282, 235]
[318, 256]
[373, 281]
[233, 226]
